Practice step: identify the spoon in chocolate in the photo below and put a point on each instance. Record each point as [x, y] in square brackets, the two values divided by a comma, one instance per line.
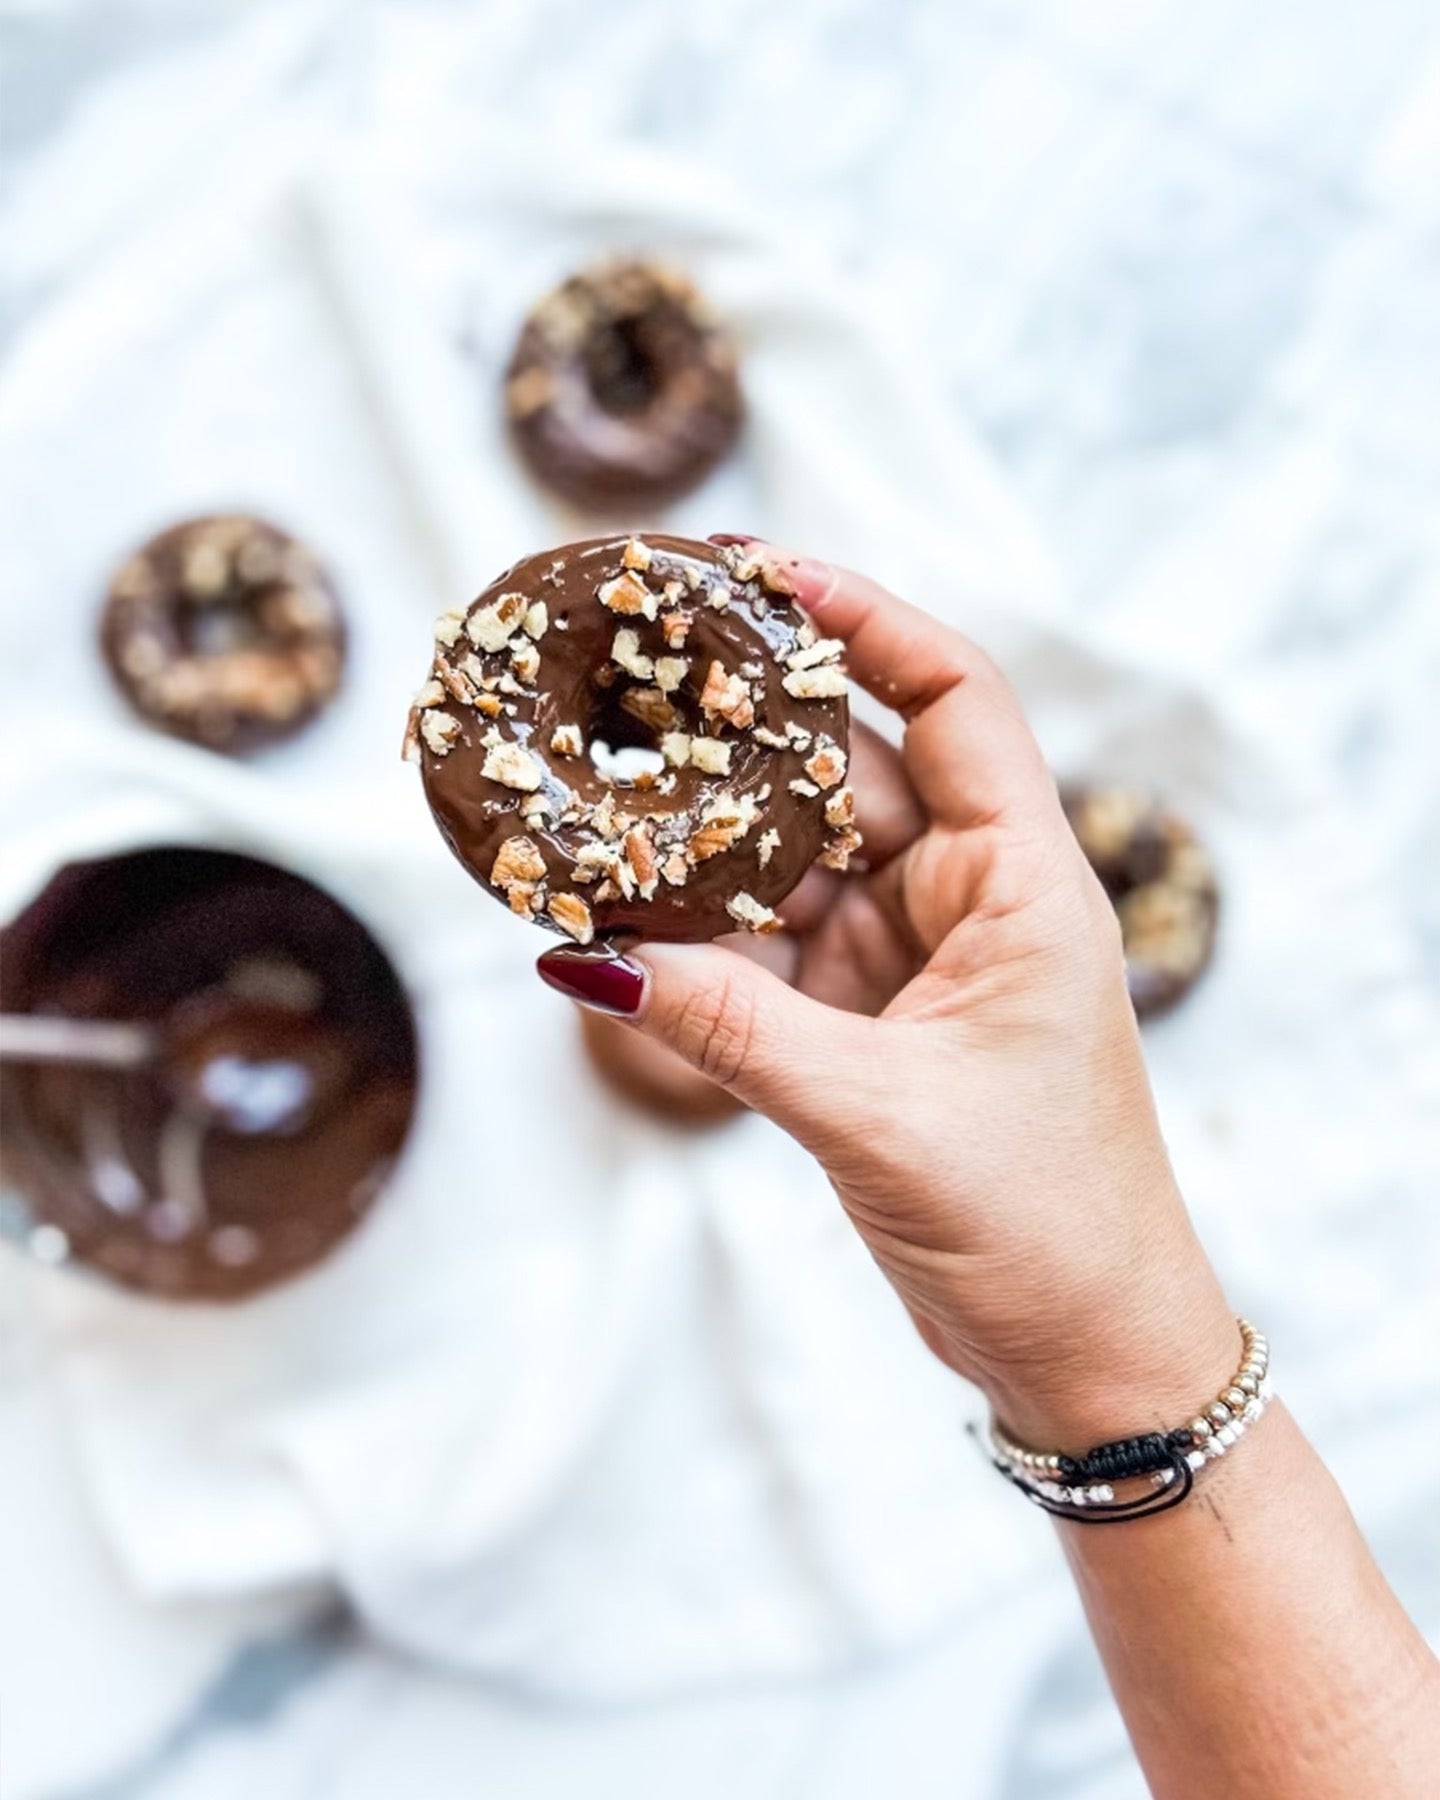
[252, 1069]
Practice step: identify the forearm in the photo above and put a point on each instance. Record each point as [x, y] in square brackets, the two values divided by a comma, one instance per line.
[1251, 1642]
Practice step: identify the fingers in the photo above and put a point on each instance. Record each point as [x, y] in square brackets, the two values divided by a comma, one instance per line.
[969, 752]
[775, 1049]
[889, 816]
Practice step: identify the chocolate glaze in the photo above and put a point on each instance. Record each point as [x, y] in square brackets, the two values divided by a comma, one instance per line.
[225, 632]
[260, 1142]
[622, 388]
[1162, 884]
[755, 628]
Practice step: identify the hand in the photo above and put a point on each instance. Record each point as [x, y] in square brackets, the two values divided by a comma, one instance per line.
[953, 1040]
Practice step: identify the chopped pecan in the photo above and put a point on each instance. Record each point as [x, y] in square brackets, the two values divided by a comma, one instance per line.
[594, 860]
[650, 707]
[727, 697]
[603, 816]
[512, 767]
[825, 683]
[640, 853]
[439, 731]
[449, 626]
[840, 807]
[711, 755]
[837, 853]
[625, 651]
[565, 740]
[528, 392]
[746, 910]
[636, 555]
[572, 915]
[723, 823]
[454, 683]
[776, 577]
[827, 766]
[676, 627]
[519, 859]
[809, 656]
[625, 594]
[492, 627]
[205, 573]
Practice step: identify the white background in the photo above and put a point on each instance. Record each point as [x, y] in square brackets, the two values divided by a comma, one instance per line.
[1177, 267]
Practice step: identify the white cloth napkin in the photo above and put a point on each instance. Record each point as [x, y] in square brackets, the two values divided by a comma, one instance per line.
[586, 1404]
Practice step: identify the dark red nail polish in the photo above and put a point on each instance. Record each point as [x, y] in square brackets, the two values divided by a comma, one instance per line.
[725, 538]
[597, 976]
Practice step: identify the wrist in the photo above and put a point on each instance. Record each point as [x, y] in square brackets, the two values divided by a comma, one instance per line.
[1144, 1366]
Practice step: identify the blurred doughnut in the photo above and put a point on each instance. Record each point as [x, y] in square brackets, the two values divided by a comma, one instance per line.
[622, 388]
[225, 632]
[1163, 887]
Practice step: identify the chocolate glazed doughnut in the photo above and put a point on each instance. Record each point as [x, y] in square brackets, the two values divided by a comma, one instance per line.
[622, 389]
[226, 632]
[1162, 884]
[697, 655]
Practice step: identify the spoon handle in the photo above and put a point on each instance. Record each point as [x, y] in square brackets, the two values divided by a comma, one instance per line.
[33, 1037]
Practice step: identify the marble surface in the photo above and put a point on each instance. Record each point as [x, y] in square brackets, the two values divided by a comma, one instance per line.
[1178, 266]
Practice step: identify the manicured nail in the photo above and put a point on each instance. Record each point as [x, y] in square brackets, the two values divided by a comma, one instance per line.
[598, 977]
[814, 581]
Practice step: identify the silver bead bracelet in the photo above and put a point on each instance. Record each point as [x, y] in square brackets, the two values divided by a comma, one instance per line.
[1158, 1468]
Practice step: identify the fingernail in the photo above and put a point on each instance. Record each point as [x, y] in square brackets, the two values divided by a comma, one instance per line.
[814, 581]
[598, 977]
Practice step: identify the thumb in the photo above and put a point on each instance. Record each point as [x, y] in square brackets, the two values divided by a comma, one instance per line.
[778, 1051]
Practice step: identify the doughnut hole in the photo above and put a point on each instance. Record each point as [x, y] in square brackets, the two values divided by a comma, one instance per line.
[626, 720]
[621, 367]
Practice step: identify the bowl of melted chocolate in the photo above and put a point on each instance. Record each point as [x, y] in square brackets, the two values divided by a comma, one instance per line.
[266, 1088]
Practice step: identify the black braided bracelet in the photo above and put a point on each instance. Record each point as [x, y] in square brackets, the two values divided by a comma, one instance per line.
[1082, 1488]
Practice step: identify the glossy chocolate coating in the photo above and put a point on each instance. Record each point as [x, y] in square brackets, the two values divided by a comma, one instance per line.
[225, 632]
[622, 388]
[250, 1150]
[255, 1068]
[577, 684]
[1162, 884]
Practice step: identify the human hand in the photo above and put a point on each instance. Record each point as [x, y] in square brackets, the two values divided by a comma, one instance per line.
[953, 1040]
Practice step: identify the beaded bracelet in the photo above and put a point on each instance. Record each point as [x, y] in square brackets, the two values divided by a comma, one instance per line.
[1082, 1488]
